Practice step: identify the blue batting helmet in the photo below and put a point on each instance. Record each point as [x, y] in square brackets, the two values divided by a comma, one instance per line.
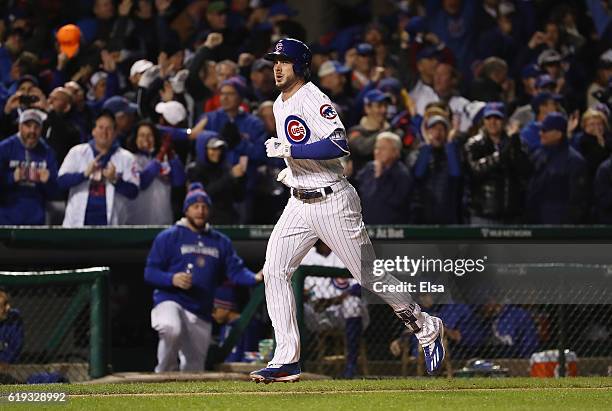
[294, 51]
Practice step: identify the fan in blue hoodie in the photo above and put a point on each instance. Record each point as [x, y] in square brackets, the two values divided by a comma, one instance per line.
[187, 262]
[28, 173]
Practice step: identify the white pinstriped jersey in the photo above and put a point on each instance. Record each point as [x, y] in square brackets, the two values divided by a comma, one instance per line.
[307, 117]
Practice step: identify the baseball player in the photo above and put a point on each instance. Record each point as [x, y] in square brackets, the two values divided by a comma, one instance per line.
[323, 205]
[186, 263]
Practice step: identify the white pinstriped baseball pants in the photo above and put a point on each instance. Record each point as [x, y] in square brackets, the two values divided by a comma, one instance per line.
[336, 220]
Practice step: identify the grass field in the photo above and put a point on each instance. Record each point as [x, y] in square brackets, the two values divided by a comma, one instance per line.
[382, 395]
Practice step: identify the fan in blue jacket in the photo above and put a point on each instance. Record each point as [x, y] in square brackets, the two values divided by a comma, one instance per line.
[28, 173]
[187, 262]
[558, 192]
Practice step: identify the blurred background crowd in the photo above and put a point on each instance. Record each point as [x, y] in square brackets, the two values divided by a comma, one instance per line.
[456, 111]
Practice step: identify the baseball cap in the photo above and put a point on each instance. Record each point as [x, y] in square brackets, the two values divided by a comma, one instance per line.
[545, 80]
[365, 49]
[375, 96]
[494, 109]
[331, 67]
[196, 193]
[554, 121]
[69, 38]
[119, 104]
[549, 56]
[390, 85]
[26, 78]
[415, 25]
[32, 114]
[97, 76]
[215, 143]
[173, 111]
[216, 7]
[140, 67]
[427, 52]
[433, 120]
[261, 64]
[543, 97]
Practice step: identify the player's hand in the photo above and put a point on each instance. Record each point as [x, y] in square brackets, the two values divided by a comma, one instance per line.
[182, 280]
[278, 148]
[283, 176]
[259, 276]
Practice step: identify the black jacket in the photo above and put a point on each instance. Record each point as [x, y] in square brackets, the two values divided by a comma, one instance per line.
[497, 177]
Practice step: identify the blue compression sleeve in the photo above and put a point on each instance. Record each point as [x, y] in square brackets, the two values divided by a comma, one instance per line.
[321, 150]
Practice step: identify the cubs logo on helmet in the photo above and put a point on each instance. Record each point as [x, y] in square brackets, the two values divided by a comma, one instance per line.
[327, 111]
[296, 130]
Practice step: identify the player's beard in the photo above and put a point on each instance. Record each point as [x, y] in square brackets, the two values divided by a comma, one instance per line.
[198, 224]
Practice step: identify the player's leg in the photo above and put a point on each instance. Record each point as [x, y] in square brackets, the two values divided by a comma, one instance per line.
[166, 320]
[338, 222]
[196, 340]
[289, 242]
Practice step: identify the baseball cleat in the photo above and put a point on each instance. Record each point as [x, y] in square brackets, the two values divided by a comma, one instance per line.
[435, 352]
[277, 373]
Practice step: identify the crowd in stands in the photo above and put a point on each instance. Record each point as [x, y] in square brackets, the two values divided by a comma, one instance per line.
[456, 111]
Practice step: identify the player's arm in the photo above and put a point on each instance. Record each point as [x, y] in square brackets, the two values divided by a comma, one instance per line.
[333, 146]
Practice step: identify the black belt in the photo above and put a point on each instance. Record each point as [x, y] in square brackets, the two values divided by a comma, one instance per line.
[310, 194]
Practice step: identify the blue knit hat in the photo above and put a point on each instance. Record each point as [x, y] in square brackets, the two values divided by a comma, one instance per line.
[196, 193]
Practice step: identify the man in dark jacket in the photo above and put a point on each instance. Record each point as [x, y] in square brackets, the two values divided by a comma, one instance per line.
[498, 168]
[558, 189]
[385, 183]
[59, 130]
[224, 183]
[436, 170]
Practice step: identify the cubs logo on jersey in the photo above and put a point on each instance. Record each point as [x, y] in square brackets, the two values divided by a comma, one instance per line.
[327, 111]
[340, 283]
[296, 130]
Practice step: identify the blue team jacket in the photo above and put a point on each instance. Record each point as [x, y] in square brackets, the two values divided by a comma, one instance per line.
[23, 203]
[214, 260]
